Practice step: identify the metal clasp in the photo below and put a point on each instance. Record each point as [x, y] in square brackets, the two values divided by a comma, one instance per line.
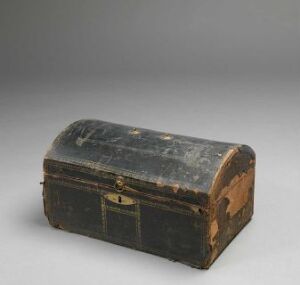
[119, 184]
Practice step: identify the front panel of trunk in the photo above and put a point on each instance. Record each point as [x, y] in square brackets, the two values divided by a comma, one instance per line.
[126, 220]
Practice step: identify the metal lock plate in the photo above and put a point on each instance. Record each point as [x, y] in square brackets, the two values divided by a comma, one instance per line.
[119, 199]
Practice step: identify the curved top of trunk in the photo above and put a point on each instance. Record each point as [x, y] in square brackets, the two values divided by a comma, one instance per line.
[181, 162]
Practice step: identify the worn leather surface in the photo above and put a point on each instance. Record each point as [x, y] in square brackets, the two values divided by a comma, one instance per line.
[174, 160]
[179, 196]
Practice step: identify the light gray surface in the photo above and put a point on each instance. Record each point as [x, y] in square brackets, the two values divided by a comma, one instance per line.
[226, 71]
[263, 113]
[157, 36]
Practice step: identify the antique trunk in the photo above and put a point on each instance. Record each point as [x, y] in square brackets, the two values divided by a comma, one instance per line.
[178, 197]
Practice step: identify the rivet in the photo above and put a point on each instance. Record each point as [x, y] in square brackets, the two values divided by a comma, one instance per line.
[134, 131]
[166, 137]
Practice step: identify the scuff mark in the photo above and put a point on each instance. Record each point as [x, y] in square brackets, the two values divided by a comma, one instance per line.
[175, 188]
[81, 140]
[214, 228]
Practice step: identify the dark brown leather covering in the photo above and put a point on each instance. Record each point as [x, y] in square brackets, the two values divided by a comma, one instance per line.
[171, 195]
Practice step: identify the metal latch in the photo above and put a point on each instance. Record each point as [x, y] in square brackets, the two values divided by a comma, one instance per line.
[119, 184]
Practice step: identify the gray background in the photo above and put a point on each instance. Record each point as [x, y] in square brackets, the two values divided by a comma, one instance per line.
[226, 70]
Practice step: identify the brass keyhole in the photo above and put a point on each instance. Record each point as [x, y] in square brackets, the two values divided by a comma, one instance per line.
[119, 199]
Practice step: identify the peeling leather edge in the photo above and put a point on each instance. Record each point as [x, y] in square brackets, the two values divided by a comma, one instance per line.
[212, 205]
[228, 156]
[211, 256]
